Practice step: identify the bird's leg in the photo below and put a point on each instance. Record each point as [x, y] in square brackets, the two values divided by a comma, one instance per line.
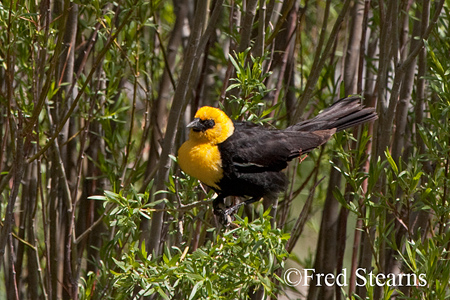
[225, 215]
[220, 212]
[251, 200]
[300, 158]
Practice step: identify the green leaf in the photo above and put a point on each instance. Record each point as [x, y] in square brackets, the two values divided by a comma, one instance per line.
[98, 197]
[391, 162]
[161, 293]
[194, 289]
[232, 86]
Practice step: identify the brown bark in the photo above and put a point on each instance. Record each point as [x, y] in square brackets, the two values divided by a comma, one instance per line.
[353, 48]
[327, 243]
[197, 42]
[320, 58]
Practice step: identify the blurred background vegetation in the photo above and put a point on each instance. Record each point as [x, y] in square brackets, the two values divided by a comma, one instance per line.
[94, 99]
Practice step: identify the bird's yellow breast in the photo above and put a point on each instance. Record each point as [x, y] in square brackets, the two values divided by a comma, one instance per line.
[202, 161]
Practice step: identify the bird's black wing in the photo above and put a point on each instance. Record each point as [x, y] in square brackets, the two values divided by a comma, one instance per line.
[253, 149]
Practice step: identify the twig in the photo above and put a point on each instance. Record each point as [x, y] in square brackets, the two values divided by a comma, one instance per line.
[319, 62]
[82, 89]
[90, 228]
[301, 221]
[13, 271]
[197, 42]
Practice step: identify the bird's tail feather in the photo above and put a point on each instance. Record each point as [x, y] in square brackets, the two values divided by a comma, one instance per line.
[343, 114]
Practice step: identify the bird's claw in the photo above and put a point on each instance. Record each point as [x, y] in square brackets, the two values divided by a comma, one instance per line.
[226, 215]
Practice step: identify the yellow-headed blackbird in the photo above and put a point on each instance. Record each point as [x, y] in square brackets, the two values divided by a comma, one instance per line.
[244, 159]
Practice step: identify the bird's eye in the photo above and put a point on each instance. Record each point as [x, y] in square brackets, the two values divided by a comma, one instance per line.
[209, 123]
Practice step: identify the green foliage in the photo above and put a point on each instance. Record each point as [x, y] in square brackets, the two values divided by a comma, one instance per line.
[407, 191]
[250, 83]
[410, 188]
[231, 265]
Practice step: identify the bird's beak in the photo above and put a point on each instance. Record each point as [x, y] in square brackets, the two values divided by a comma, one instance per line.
[196, 125]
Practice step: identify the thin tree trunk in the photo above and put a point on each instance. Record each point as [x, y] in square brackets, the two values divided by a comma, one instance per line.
[159, 112]
[159, 108]
[353, 48]
[320, 58]
[325, 261]
[197, 42]
[247, 25]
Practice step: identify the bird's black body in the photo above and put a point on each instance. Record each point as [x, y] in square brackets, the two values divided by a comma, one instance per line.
[254, 156]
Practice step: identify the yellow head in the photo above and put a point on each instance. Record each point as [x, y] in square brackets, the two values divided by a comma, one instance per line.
[211, 125]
